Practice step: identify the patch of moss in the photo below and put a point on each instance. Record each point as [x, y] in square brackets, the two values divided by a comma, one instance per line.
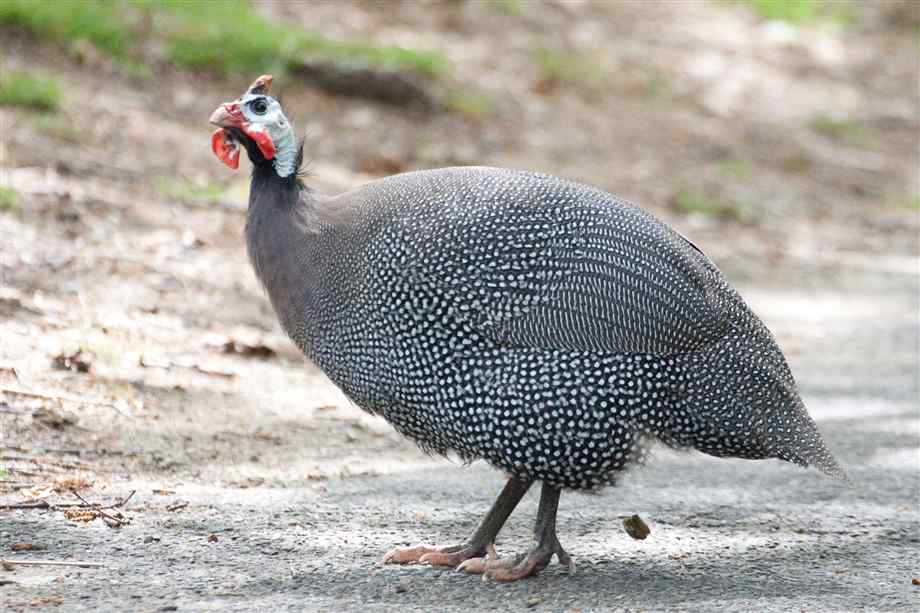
[28, 91]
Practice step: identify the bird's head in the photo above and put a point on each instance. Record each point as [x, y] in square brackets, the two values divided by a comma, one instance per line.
[256, 121]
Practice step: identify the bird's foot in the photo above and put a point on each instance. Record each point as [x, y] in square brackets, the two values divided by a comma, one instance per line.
[434, 556]
[517, 567]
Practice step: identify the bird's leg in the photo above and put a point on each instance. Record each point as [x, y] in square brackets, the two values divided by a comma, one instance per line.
[526, 565]
[477, 544]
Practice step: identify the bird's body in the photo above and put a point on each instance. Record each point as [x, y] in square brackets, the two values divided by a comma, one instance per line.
[544, 326]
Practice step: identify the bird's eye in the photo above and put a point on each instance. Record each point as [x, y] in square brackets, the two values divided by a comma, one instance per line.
[259, 106]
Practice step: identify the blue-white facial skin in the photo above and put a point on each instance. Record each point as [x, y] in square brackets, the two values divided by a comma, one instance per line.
[264, 113]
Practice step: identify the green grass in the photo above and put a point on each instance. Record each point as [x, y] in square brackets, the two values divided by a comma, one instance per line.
[189, 192]
[470, 102]
[798, 162]
[695, 202]
[34, 92]
[803, 11]
[9, 200]
[225, 36]
[734, 167]
[56, 126]
[514, 8]
[4, 472]
[229, 36]
[843, 130]
[69, 21]
[564, 66]
[791, 11]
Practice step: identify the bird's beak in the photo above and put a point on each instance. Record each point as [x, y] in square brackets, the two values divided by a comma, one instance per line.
[224, 146]
[228, 115]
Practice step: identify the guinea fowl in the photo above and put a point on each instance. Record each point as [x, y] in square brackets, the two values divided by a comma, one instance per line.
[544, 326]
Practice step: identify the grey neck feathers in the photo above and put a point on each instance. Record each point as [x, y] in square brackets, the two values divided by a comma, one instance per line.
[280, 248]
[285, 162]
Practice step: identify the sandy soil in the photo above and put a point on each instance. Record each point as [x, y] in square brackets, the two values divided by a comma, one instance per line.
[258, 486]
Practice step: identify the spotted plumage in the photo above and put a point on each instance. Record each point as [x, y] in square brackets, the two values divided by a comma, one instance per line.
[542, 325]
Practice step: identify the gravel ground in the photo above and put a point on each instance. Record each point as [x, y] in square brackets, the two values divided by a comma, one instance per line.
[726, 534]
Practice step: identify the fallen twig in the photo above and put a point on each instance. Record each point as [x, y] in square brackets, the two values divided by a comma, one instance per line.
[63, 398]
[44, 463]
[213, 372]
[5, 561]
[44, 504]
[77, 452]
[101, 509]
[5, 408]
[15, 484]
[27, 473]
[11, 370]
[38, 504]
[177, 506]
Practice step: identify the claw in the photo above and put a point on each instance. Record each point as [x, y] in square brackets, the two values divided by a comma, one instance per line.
[478, 565]
[441, 558]
[517, 567]
[408, 555]
[566, 560]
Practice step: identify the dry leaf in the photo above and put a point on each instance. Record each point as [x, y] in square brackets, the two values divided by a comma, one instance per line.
[52, 418]
[27, 547]
[79, 361]
[268, 436]
[636, 528]
[254, 350]
[72, 484]
[80, 514]
[39, 492]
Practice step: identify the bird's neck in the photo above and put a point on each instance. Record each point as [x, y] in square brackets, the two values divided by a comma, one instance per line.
[285, 162]
[279, 243]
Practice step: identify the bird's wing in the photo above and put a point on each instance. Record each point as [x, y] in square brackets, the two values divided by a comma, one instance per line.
[579, 270]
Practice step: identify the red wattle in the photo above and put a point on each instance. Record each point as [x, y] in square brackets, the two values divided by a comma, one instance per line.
[263, 140]
[225, 149]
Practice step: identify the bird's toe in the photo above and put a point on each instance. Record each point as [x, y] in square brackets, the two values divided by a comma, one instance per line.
[408, 555]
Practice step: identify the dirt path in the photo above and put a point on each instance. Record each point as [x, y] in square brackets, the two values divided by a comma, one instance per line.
[725, 534]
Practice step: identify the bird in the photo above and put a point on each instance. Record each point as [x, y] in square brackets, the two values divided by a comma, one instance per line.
[547, 327]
